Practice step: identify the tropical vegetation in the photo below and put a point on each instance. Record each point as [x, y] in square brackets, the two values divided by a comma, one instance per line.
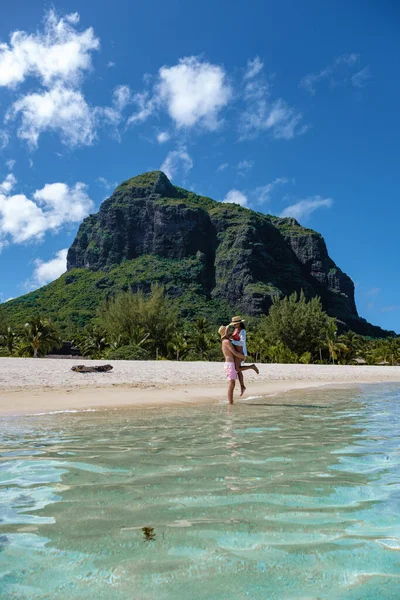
[36, 338]
[139, 326]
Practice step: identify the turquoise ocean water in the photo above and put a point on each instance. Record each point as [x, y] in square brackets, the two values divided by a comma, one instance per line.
[294, 497]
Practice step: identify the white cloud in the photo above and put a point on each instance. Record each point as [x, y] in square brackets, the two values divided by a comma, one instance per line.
[110, 64]
[361, 78]
[7, 185]
[304, 208]
[108, 185]
[58, 57]
[263, 193]
[58, 53]
[63, 204]
[59, 109]
[235, 197]
[113, 115]
[23, 219]
[49, 271]
[121, 97]
[310, 81]
[284, 121]
[20, 219]
[10, 164]
[262, 114]
[222, 167]
[4, 139]
[193, 92]
[254, 67]
[73, 18]
[244, 166]
[175, 161]
[163, 137]
[146, 107]
[30, 163]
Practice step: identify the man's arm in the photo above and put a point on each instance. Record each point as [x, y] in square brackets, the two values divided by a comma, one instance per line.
[237, 354]
[229, 348]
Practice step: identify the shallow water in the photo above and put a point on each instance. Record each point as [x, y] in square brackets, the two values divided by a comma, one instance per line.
[294, 499]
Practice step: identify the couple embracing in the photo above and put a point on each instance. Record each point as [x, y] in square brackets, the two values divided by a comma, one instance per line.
[233, 337]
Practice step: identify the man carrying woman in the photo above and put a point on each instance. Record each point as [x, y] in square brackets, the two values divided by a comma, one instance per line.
[234, 354]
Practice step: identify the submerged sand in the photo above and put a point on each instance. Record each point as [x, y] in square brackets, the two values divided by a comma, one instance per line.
[40, 385]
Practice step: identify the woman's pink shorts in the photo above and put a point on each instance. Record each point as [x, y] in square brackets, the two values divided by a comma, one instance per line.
[230, 371]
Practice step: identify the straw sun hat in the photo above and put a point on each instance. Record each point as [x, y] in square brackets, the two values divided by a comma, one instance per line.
[236, 321]
[223, 330]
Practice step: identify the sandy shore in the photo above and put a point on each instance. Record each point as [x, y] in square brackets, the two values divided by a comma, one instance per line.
[43, 385]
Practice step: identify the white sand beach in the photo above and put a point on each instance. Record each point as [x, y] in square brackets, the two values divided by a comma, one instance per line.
[42, 385]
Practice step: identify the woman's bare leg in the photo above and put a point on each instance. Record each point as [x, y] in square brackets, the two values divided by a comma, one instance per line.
[238, 368]
[247, 367]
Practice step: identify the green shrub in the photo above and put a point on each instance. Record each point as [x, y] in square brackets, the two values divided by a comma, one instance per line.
[131, 352]
[306, 358]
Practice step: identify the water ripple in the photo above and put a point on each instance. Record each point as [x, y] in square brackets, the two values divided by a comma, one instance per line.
[295, 499]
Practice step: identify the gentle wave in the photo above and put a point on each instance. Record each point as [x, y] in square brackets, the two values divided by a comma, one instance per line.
[60, 412]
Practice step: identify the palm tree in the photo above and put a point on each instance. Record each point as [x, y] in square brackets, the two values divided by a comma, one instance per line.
[337, 350]
[258, 347]
[387, 351]
[331, 333]
[201, 338]
[95, 343]
[178, 344]
[39, 337]
[353, 342]
[9, 339]
[137, 337]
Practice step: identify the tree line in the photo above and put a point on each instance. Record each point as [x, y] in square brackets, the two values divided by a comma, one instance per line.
[136, 326]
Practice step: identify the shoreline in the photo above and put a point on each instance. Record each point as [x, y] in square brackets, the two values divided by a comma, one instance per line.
[32, 386]
[51, 400]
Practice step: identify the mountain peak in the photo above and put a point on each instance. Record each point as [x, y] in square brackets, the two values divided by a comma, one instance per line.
[152, 182]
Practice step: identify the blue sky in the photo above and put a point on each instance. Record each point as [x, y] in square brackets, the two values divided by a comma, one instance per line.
[286, 107]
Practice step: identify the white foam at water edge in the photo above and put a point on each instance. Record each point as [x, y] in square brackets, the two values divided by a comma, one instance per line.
[241, 400]
[59, 412]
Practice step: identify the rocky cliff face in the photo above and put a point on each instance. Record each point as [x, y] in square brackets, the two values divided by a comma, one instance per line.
[133, 222]
[334, 286]
[238, 256]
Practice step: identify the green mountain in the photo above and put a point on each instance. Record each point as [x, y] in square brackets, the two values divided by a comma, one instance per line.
[215, 259]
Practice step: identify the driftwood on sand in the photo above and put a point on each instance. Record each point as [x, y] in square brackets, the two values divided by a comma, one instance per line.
[84, 369]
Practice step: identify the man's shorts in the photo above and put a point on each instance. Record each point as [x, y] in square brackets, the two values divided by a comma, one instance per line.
[230, 371]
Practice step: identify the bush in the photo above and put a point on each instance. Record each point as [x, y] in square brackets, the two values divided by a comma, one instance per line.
[131, 352]
[141, 320]
[301, 326]
[306, 358]
[4, 352]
